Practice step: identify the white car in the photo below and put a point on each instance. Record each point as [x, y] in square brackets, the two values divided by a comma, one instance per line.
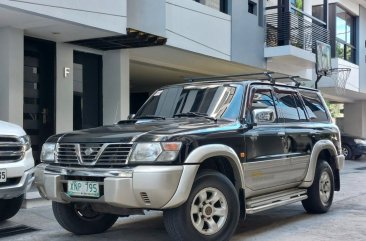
[16, 168]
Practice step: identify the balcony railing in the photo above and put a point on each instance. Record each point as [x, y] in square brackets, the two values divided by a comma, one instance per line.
[295, 29]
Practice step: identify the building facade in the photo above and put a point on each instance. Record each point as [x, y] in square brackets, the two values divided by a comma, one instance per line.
[67, 65]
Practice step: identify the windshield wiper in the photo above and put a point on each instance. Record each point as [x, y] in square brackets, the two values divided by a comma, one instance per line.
[196, 114]
[150, 117]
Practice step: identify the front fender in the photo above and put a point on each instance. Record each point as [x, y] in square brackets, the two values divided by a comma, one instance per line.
[192, 162]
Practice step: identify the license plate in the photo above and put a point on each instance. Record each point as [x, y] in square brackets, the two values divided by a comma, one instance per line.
[83, 189]
[2, 175]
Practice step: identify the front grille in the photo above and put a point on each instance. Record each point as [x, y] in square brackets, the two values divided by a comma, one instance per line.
[93, 154]
[11, 149]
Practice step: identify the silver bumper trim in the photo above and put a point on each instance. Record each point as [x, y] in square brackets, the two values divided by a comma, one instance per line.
[13, 191]
[145, 187]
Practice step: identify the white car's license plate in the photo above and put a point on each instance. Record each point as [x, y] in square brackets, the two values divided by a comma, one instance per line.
[83, 189]
[2, 175]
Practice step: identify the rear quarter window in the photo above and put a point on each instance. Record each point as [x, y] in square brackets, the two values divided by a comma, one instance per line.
[314, 106]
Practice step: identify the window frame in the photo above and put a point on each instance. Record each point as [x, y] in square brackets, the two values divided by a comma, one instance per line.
[294, 94]
[248, 113]
[343, 43]
[322, 101]
[223, 6]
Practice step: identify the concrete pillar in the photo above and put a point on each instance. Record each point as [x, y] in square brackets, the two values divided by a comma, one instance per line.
[116, 86]
[64, 88]
[354, 121]
[11, 75]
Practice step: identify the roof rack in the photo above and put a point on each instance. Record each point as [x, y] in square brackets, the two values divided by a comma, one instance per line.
[272, 77]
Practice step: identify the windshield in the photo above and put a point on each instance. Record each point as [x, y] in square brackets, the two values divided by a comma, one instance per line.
[212, 100]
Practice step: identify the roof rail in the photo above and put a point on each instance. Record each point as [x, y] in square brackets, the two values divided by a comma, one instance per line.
[272, 77]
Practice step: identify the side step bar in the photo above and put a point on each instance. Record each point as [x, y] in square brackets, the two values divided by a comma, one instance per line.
[261, 203]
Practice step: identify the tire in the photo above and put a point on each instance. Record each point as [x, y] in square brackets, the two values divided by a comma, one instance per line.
[321, 192]
[10, 207]
[80, 219]
[347, 152]
[357, 157]
[184, 223]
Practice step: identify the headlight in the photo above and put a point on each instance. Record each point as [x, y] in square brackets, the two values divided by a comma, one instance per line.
[360, 141]
[48, 152]
[26, 141]
[155, 151]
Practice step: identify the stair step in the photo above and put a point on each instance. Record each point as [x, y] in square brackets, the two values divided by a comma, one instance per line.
[268, 201]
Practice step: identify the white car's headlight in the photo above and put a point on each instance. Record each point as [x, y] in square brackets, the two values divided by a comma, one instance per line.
[155, 151]
[360, 141]
[26, 141]
[48, 152]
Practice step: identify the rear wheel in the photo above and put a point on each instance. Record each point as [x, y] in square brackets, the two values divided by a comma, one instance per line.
[10, 207]
[210, 213]
[81, 219]
[320, 194]
[347, 152]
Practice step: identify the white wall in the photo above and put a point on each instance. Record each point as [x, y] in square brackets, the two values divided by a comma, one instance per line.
[116, 86]
[354, 121]
[198, 28]
[64, 88]
[146, 15]
[11, 75]
[353, 82]
[108, 14]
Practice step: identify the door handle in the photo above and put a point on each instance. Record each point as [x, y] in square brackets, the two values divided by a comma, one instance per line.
[44, 116]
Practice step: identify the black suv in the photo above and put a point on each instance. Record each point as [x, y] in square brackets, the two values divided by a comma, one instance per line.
[205, 153]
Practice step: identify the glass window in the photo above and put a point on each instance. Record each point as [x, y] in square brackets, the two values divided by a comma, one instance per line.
[300, 107]
[345, 31]
[299, 4]
[212, 100]
[287, 107]
[318, 12]
[220, 5]
[262, 99]
[314, 106]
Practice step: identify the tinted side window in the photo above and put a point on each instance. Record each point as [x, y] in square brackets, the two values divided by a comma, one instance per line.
[300, 107]
[287, 106]
[314, 106]
[262, 99]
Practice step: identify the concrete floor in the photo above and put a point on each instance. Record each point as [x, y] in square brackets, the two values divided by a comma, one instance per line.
[345, 221]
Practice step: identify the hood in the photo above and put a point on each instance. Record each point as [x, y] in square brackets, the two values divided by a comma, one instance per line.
[142, 130]
[9, 129]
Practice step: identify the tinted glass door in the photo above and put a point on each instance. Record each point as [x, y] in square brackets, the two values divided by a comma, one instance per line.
[87, 90]
[39, 91]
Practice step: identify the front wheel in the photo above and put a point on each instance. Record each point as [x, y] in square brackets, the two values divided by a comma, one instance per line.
[10, 207]
[210, 213]
[81, 219]
[320, 193]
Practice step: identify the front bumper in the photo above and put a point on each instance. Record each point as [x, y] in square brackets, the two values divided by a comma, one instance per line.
[359, 149]
[146, 187]
[13, 191]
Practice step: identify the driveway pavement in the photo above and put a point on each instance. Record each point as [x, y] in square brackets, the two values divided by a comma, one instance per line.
[345, 221]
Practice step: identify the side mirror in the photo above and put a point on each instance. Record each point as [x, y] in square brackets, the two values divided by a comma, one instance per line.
[131, 116]
[264, 116]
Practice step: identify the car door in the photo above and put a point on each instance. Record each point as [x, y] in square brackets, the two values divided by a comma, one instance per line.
[266, 163]
[298, 132]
